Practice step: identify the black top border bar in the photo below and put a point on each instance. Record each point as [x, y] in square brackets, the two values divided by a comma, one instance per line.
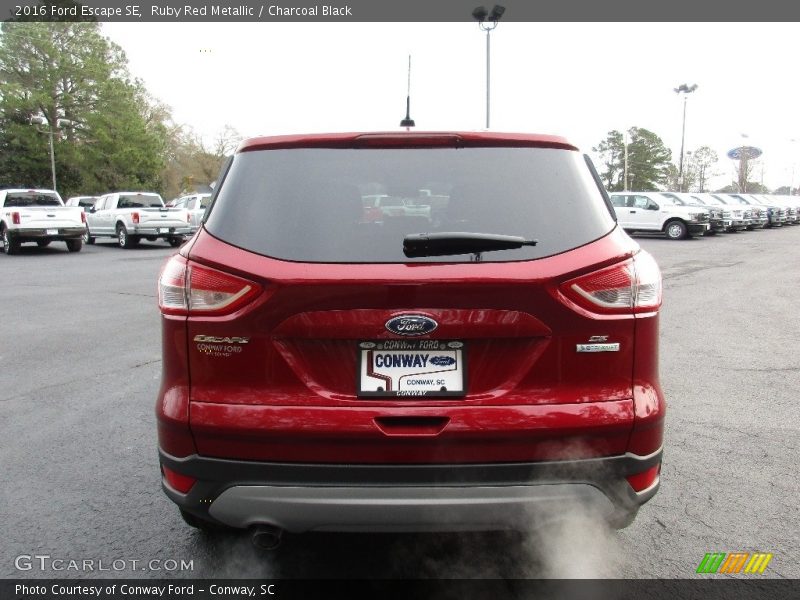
[364, 11]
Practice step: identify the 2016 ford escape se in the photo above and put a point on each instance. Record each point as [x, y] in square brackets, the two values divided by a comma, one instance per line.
[472, 364]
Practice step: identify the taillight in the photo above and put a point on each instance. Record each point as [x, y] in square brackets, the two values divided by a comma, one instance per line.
[135, 217]
[83, 217]
[181, 483]
[190, 289]
[188, 217]
[632, 286]
[172, 287]
[15, 218]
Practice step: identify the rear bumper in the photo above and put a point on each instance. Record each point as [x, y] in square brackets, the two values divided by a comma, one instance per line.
[321, 497]
[160, 231]
[32, 235]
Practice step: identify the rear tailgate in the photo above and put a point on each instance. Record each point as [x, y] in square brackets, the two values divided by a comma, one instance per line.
[278, 379]
[163, 217]
[48, 217]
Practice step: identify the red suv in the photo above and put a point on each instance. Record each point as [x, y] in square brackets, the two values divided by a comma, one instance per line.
[487, 355]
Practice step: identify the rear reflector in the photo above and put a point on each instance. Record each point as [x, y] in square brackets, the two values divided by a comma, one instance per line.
[642, 481]
[187, 289]
[181, 483]
[632, 286]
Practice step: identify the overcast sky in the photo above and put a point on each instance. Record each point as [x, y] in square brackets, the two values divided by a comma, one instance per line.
[579, 80]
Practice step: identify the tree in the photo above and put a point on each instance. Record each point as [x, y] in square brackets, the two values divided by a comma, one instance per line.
[190, 161]
[612, 153]
[752, 187]
[116, 136]
[700, 164]
[649, 160]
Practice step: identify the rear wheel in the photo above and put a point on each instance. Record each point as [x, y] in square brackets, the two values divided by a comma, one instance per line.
[42, 243]
[74, 245]
[123, 239]
[87, 239]
[10, 245]
[175, 241]
[676, 230]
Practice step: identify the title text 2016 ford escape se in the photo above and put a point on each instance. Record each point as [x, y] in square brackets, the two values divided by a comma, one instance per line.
[469, 365]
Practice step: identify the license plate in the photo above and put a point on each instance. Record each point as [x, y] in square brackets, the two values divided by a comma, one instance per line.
[51, 231]
[164, 230]
[409, 368]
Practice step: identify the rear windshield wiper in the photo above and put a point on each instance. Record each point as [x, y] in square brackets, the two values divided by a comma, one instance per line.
[449, 243]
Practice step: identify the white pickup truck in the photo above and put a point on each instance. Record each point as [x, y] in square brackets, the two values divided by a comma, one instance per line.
[132, 216]
[38, 216]
[657, 213]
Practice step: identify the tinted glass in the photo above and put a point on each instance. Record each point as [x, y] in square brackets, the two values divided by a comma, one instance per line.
[87, 202]
[205, 201]
[357, 205]
[24, 199]
[139, 201]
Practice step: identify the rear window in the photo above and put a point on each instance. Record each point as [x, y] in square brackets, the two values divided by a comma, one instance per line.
[357, 205]
[87, 202]
[25, 199]
[139, 201]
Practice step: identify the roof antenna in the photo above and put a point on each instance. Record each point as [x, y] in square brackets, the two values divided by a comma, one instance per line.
[408, 121]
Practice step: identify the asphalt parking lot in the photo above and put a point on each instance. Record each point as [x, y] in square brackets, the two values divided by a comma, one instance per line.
[80, 367]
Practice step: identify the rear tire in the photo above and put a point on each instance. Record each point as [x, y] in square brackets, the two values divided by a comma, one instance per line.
[74, 245]
[175, 241]
[123, 239]
[10, 245]
[87, 239]
[676, 230]
[43, 243]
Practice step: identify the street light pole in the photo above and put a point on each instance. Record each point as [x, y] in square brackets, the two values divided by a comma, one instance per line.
[52, 160]
[487, 21]
[686, 90]
[59, 123]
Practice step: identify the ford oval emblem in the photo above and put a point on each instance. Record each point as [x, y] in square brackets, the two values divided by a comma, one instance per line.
[442, 361]
[411, 325]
